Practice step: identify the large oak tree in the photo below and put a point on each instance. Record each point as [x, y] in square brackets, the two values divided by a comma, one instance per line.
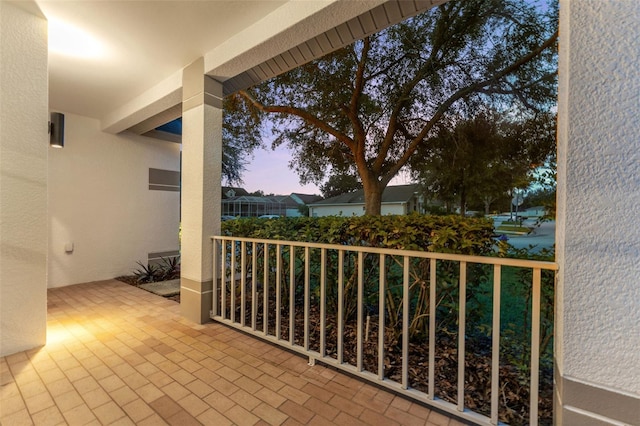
[368, 107]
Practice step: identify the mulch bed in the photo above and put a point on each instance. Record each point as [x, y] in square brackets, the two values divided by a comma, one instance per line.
[514, 383]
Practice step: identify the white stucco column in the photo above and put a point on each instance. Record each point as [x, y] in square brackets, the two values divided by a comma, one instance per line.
[201, 176]
[24, 146]
[597, 340]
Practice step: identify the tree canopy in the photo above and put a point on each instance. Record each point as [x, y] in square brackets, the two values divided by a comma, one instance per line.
[338, 184]
[367, 108]
[480, 159]
[240, 136]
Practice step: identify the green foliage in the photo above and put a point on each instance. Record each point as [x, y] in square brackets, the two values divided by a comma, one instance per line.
[513, 228]
[445, 234]
[480, 159]
[544, 196]
[303, 210]
[240, 136]
[168, 269]
[366, 108]
[518, 312]
[147, 273]
[338, 184]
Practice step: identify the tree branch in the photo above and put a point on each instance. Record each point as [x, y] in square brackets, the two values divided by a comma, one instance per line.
[311, 119]
[465, 91]
[352, 111]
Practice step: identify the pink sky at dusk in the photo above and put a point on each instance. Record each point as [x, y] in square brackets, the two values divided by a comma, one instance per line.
[269, 171]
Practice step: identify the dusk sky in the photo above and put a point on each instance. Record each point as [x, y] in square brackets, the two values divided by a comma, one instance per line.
[269, 171]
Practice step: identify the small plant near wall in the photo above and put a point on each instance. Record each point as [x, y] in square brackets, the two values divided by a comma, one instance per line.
[168, 269]
[147, 273]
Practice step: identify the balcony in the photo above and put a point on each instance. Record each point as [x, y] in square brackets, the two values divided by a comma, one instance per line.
[116, 354]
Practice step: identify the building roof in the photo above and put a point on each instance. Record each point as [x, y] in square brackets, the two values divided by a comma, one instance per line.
[305, 198]
[391, 194]
[230, 192]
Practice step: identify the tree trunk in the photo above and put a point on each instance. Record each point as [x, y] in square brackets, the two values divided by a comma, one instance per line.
[372, 195]
[463, 196]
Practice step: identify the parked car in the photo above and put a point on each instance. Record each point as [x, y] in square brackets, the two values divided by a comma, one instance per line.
[268, 216]
[225, 218]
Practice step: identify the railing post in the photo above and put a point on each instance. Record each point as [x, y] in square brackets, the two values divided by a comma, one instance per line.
[381, 310]
[265, 291]
[278, 330]
[215, 278]
[254, 284]
[432, 327]
[292, 293]
[495, 345]
[323, 302]
[340, 348]
[306, 297]
[359, 343]
[223, 284]
[535, 346]
[462, 313]
[405, 323]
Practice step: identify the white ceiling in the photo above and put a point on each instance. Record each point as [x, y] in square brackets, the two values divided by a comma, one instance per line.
[145, 42]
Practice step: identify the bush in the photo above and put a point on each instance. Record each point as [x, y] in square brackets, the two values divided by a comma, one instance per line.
[169, 269]
[444, 234]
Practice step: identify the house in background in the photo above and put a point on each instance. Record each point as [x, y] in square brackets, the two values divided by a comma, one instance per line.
[302, 202]
[230, 192]
[82, 213]
[255, 206]
[398, 199]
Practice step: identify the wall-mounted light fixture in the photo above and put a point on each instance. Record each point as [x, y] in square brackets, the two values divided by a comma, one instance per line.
[56, 130]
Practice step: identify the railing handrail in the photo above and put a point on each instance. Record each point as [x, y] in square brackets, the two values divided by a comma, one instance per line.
[487, 260]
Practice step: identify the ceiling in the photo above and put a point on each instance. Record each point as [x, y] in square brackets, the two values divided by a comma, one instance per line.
[129, 75]
[142, 44]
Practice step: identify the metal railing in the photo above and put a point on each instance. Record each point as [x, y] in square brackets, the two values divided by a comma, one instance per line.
[316, 299]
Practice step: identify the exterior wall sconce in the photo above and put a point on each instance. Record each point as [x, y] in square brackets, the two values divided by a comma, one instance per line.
[56, 130]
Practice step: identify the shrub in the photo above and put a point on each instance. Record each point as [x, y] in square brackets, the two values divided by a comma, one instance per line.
[169, 269]
[444, 234]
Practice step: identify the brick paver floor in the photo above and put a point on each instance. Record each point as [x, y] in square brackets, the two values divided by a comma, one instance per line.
[117, 355]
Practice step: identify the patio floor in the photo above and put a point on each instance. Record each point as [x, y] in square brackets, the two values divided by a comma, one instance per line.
[118, 355]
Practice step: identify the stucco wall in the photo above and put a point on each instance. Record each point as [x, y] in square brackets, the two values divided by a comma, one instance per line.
[99, 200]
[598, 237]
[23, 179]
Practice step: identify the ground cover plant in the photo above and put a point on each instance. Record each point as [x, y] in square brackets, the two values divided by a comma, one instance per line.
[167, 269]
[446, 234]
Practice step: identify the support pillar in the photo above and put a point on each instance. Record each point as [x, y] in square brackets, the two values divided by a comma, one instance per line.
[24, 147]
[201, 192]
[597, 379]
